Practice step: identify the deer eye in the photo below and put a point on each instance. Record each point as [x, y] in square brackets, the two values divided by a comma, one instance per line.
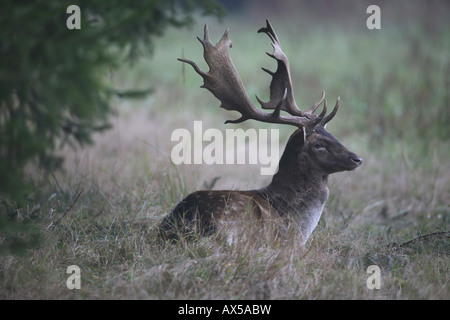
[318, 146]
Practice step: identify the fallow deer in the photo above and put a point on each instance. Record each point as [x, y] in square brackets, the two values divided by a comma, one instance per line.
[298, 190]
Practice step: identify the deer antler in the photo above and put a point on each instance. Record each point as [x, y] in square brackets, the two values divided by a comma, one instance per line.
[281, 80]
[223, 81]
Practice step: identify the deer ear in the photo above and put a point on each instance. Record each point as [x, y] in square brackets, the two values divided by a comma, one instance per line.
[297, 139]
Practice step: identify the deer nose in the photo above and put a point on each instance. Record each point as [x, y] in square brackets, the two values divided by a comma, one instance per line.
[357, 160]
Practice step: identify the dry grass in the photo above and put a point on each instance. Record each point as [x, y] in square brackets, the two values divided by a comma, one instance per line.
[128, 184]
[109, 233]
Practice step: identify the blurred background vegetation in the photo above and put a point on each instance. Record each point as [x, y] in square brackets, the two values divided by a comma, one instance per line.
[61, 87]
[53, 81]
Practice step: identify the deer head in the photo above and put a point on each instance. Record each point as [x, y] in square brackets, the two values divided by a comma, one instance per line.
[318, 151]
[299, 188]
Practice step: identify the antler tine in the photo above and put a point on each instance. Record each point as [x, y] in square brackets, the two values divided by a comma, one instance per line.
[194, 65]
[314, 122]
[327, 119]
[273, 117]
[206, 33]
[204, 42]
[268, 29]
[317, 104]
[277, 110]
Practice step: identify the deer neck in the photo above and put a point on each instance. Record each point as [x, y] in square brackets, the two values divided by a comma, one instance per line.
[299, 198]
[297, 193]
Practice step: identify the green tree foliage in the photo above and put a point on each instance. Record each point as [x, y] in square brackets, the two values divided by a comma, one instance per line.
[52, 80]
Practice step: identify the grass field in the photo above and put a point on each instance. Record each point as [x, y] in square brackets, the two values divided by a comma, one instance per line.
[393, 212]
